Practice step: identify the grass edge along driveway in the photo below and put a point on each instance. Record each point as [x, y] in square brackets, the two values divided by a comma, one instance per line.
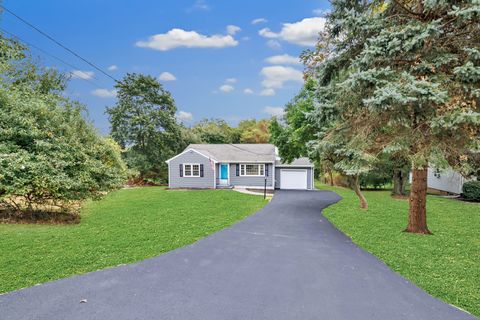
[446, 264]
[126, 226]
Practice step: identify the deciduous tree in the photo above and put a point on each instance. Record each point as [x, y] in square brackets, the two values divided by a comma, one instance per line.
[144, 124]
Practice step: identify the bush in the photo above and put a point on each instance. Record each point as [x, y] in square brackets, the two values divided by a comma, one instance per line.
[471, 190]
[51, 158]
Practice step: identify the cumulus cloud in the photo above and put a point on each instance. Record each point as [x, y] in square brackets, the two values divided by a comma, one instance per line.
[184, 116]
[167, 76]
[231, 80]
[113, 67]
[231, 29]
[268, 92]
[248, 91]
[176, 38]
[283, 59]
[274, 111]
[304, 32]
[226, 88]
[275, 76]
[105, 93]
[85, 75]
[259, 20]
[274, 44]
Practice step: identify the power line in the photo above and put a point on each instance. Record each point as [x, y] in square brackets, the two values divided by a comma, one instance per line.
[50, 55]
[56, 42]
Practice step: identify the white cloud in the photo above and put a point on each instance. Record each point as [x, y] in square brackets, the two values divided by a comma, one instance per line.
[274, 44]
[184, 116]
[105, 93]
[274, 111]
[167, 76]
[304, 33]
[231, 29]
[259, 20]
[226, 88]
[85, 75]
[275, 76]
[283, 59]
[113, 67]
[321, 12]
[231, 80]
[267, 92]
[248, 91]
[176, 38]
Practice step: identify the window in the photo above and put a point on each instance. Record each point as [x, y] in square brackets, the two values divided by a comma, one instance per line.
[252, 169]
[191, 170]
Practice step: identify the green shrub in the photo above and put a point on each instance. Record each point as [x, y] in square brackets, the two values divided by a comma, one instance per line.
[471, 190]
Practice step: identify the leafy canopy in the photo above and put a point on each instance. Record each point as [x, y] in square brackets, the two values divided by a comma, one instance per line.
[144, 124]
[49, 155]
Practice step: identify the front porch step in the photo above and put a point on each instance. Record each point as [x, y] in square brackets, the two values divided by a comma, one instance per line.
[224, 187]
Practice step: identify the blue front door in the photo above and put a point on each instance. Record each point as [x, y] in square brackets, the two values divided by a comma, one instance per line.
[224, 173]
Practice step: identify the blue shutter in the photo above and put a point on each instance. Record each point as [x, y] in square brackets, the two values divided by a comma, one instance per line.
[201, 170]
[266, 169]
[181, 169]
[237, 171]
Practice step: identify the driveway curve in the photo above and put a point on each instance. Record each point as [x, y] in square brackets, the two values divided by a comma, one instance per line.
[284, 262]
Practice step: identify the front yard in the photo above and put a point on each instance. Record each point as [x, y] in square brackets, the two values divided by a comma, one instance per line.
[446, 264]
[127, 226]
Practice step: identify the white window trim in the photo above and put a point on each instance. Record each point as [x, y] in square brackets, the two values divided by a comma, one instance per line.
[191, 170]
[252, 175]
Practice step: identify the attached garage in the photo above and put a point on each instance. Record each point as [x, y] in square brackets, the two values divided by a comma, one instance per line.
[293, 179]
[297, 175]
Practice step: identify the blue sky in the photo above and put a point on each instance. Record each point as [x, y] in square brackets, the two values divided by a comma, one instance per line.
[229, 59]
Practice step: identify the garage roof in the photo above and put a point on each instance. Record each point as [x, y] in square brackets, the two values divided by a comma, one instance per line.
[300, 162]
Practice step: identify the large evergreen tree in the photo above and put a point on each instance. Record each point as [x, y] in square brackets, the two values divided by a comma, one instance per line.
[406, 80]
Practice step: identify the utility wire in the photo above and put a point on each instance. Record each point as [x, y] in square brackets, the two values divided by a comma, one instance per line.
[56, 42]
[50, 55]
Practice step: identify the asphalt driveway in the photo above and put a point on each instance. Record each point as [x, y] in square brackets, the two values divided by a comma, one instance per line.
[284, 262]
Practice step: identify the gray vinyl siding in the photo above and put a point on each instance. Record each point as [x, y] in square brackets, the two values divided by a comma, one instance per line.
[190, 182]
[250, 181]
[309, 176]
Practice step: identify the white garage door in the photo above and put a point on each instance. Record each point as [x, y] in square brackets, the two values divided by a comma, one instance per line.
[293, 179]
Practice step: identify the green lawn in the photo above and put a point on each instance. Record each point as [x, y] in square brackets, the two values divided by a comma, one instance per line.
[127, 226]
[446, 264]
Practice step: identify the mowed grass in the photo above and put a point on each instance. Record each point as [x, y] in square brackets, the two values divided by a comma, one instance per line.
[445, 264]
[127, 226]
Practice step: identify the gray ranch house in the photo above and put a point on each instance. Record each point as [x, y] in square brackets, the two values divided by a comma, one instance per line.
[237, 165]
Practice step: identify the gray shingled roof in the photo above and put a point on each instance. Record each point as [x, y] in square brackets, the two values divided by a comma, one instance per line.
[237, 152]
[297, 162]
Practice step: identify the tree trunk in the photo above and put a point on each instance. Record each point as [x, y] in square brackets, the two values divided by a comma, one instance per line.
[330, 173]
[399, 183]
[417, 216]
[358, 192]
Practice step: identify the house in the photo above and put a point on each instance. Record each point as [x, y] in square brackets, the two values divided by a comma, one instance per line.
[237, 165]
[446, 180]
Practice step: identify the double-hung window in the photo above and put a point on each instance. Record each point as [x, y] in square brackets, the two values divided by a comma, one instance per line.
[254, 170]
[191, 170]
